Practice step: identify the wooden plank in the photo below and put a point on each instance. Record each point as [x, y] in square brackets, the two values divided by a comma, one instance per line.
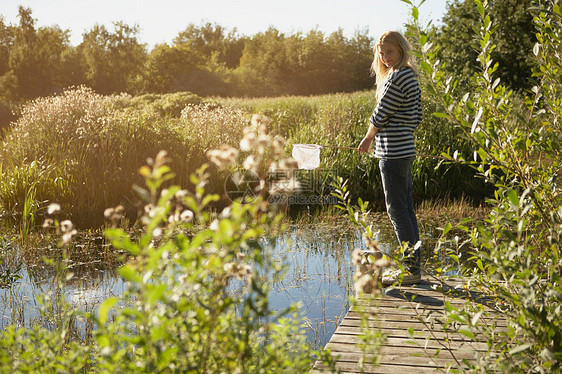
[402, 354]
[339, 345]
[411, 320]
[354, 319]
[394, 341]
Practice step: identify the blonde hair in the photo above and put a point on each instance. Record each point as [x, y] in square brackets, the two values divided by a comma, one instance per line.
[379, 69]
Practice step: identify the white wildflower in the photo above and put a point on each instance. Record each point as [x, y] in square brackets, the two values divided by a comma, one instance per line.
[259, 120]
[186, 216]
[53, 208]
[66, 226]
[67, 236]
[365, 284]
[357, 256]
[108, 213]
[224, 156]
[251, 163]
[48, 223]
[248, 141]
[214, 225]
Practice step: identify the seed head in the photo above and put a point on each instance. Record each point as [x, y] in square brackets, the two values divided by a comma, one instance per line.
[248, 141]
[251, 163]
[48, 223]
[66, 226]
[260, 120]
[223, 157]
[67, 236]
[53, 209]
[186, 216]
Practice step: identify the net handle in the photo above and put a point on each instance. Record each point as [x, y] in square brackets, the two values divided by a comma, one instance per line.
[355, 149]
[337, 146]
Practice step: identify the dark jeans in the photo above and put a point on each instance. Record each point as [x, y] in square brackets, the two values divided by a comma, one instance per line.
[397, 184]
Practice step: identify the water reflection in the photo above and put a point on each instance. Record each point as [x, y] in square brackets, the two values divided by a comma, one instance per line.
[318, 275]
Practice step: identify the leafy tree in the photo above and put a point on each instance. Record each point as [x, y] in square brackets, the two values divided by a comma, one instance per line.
[169, 68]
[274, 64]
[33, 62]
[208, 60]
[350, 60]
[263, 65]
[213, 43]
[112, 60]
[7, 79]
[359, 60]
[35, 57]
[6, 41]
[515, 252]
[200, 60]
[514, 38]
[313, 64]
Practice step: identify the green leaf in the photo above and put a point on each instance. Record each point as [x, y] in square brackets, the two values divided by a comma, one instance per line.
[467, 333]
[209, 199]
[513, 198]
[430, 89]
[440, 115]
[105, 307]
[480, 9]
[476, 317]
[479, 264]
[423, 39]
[426, 67]
[129, 273]
[519, 348]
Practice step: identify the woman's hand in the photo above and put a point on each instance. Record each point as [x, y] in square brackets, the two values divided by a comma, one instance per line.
[365, 145]
[368, 139]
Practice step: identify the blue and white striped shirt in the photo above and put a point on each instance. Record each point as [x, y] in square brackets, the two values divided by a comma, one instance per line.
[397, 115]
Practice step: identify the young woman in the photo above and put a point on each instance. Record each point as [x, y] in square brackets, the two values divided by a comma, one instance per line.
[392, 126]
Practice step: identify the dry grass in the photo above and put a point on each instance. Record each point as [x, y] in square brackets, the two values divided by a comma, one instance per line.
[438, 212]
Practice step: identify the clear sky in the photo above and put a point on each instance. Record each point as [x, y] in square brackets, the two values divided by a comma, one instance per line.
[161, 21]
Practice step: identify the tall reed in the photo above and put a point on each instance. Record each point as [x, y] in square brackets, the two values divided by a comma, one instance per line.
[93, 146]
[88, 147]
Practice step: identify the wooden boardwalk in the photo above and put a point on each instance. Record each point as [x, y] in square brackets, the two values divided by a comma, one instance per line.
[400, 312]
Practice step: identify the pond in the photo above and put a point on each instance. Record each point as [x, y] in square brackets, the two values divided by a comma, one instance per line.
[318, 276]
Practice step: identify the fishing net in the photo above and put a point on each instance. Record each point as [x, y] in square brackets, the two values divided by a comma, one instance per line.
[307, 155]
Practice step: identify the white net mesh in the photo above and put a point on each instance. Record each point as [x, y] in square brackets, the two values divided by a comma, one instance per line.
[307, 155]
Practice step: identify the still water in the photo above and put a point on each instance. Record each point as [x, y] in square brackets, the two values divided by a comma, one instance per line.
[318, 276]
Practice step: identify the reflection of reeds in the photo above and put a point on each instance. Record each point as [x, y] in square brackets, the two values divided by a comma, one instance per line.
[85, 267]
[319, 272]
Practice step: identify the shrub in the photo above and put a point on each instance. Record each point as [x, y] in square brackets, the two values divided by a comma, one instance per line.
[516, 252]
[170, 105]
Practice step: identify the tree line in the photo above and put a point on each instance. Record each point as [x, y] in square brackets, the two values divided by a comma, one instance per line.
[210, 60]
[207, 60]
